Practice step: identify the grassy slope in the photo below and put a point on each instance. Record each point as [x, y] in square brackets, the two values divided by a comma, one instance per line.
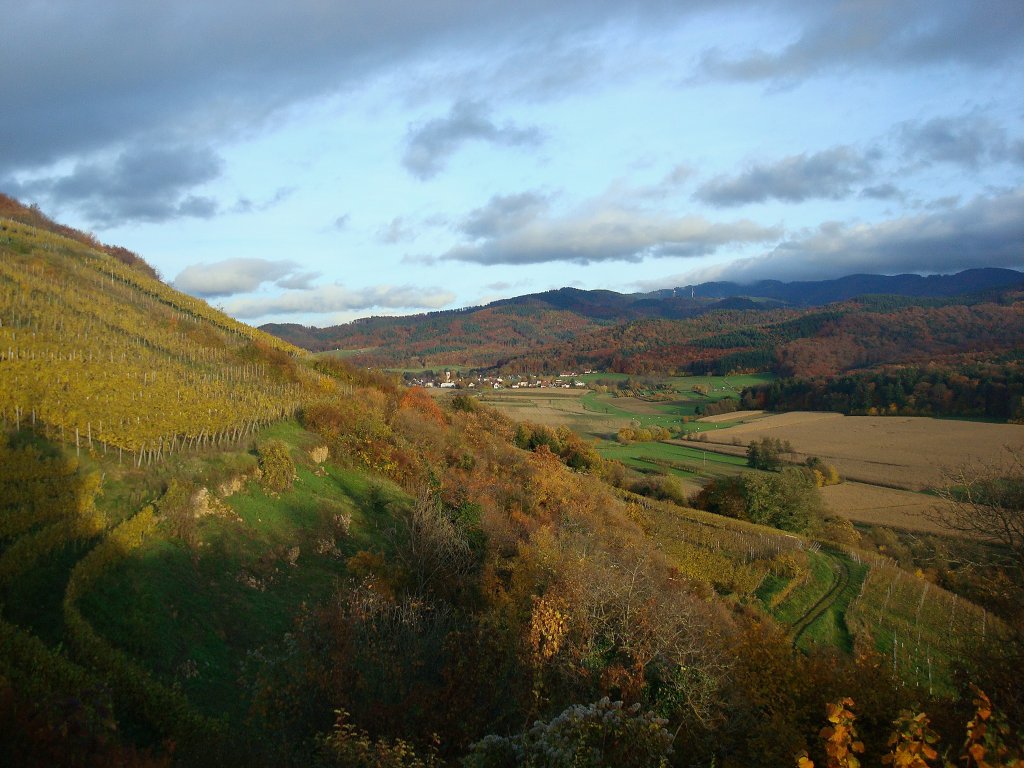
[136, 357]
[237, 591]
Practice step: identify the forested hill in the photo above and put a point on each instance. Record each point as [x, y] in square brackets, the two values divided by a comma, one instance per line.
[603, 306]
[890, 320]
[818, 292]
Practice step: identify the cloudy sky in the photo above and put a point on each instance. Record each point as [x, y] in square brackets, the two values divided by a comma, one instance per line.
[317, 161]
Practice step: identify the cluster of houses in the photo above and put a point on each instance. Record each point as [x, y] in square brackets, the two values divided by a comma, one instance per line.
[456, 380]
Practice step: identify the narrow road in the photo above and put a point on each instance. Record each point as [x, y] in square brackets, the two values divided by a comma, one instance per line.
[823, 604]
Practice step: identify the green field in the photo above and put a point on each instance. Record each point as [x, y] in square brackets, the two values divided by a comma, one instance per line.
[191, 612]
[683, 461]
[672, 405]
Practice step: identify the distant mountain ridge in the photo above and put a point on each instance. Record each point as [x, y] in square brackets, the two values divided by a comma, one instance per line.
[684, 300]
[540, 318]
[810, 328]
[812, 293]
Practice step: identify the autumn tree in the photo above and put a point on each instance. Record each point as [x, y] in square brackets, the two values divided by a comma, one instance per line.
[987, 502]
[788, 500]
[767, 453]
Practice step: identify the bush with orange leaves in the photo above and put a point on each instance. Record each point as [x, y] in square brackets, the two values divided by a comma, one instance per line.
[990, 741]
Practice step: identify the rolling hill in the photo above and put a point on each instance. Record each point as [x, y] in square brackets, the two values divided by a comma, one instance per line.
[718, 326]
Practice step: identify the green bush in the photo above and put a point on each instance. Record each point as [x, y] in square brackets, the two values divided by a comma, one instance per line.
[788, 500]
[276, 465]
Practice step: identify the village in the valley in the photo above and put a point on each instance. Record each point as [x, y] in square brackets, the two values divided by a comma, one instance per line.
[456, 380]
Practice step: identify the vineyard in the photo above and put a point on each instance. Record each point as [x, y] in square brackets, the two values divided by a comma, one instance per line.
[101, 356]
[922, 629]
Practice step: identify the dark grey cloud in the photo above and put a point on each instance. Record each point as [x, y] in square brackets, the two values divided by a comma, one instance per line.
[827, 174]
[231, 276]
[967, 140]
[139, 184]
[986, 232]
[1016, 153]
[326, 299]
[504, 213]
[429, 145]
[945, 203]
[520, 229]
[886, 191]
[891, 34]
[83, 81]
[80, 80]
[79, 77]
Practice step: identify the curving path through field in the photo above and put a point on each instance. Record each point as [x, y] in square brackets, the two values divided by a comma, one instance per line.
[825, 602]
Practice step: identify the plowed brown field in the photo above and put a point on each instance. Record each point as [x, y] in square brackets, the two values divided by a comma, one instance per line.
[898, 451]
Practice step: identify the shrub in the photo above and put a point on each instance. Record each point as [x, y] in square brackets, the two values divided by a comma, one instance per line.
[276, 465]
[350, 746]
[824, 474]
[841, 531]
[177, 509]
[584, 735]
[662, 487]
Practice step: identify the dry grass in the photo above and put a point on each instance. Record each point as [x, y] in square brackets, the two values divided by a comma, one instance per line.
[897, 451]
[734, 416]
[873, 505]
[552, 408]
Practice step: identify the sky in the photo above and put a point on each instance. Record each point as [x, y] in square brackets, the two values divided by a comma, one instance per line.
[317, 161]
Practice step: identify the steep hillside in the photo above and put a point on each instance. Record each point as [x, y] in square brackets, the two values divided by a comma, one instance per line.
[15, 211]
[93, 347]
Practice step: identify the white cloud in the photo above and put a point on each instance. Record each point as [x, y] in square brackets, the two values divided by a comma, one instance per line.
[231, 276]
[336, 298]
[519, 229]
[398, 230]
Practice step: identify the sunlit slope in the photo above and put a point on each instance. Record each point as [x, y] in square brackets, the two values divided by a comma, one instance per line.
[89, 345]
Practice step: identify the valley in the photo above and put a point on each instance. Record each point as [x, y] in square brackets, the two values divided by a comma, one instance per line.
[217, 548]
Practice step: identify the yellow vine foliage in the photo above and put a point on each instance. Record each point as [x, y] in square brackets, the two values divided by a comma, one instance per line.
[839, 737]
[102, 356]
[912, 743]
